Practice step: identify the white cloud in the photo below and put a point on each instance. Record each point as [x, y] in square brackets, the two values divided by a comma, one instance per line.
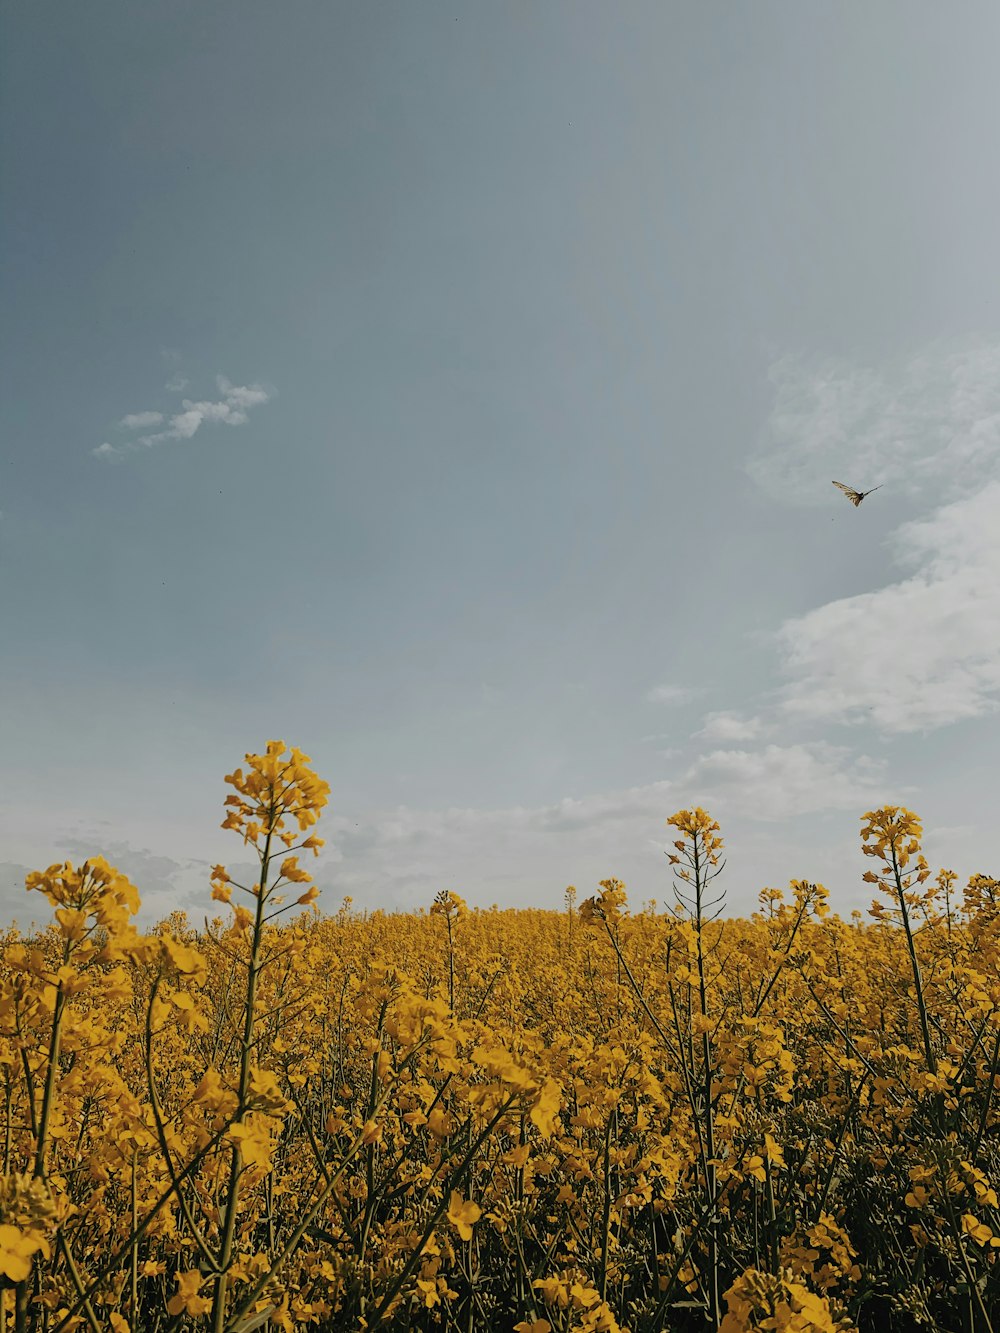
[929, 423]
[177, 383]
[140, 420]
[729, 727]
[920, 653]
[782, 781]
[923, 651]
[671, 694]
[241, 397]
[589, 812]
[401, 857]
[231, 410]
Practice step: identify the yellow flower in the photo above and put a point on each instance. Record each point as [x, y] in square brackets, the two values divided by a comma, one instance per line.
[773, 1152]
[449, 905]
[16, 1250]
[979, 1231]
[253, 1138]
[553, 1291]
[293, 872]
[243, 919]
[755, 1168]
[463, 1215]
[186, 1299]
[189, 1017]
[264, 1093]
[183, 959]
[428, 1292]
[545, 1108]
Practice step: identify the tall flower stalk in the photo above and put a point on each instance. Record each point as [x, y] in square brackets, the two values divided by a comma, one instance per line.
[275, 791]
[696, 858]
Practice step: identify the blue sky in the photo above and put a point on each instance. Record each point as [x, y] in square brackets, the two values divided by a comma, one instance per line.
[455, 392]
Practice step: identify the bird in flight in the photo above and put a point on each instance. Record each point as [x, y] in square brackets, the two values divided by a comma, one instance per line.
[856, 497]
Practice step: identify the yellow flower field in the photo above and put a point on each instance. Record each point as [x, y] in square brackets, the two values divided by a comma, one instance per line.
[591, 1119]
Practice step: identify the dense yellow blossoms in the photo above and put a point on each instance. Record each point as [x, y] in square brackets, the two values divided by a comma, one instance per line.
[537, 1121]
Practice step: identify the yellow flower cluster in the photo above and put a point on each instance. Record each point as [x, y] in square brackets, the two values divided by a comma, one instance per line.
[536, 1121]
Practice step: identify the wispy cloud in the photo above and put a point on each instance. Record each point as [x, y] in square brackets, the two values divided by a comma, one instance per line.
[671, 694]
[140, 420]
[404, 855]
[919, 653]
[929, 423]
[780, 782]
[230, 409]
[729, 726]
[601, 809]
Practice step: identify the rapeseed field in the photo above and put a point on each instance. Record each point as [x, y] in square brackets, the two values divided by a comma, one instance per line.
[591, 1120]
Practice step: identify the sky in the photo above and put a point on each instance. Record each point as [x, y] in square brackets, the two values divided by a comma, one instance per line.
[454, 392]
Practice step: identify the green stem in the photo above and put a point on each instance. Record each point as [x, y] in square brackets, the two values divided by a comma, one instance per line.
[235, 1161]
[48, 1097]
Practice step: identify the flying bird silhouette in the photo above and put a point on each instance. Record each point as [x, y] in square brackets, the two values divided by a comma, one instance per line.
[856, 497]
